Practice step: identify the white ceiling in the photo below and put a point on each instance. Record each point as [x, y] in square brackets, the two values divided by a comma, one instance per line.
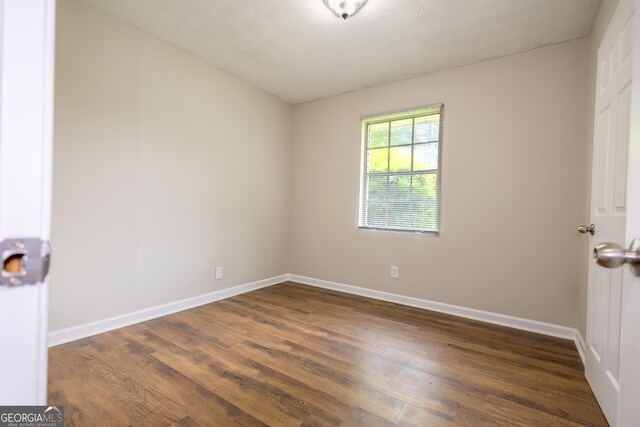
[298, 50]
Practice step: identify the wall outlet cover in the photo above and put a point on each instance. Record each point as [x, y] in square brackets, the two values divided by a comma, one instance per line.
[394, 271]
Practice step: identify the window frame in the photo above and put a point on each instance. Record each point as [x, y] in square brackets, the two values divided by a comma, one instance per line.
[410, 113]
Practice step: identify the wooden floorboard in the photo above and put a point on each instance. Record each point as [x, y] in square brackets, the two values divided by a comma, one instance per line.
[294, 355]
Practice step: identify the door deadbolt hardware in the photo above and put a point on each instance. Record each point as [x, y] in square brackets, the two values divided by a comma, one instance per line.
[25, 261]
[610, 255]
[584, 229]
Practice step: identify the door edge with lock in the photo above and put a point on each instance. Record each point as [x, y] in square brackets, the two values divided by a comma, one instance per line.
[27, 34]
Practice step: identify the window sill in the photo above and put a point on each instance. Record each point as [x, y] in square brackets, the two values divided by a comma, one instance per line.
[401, 230]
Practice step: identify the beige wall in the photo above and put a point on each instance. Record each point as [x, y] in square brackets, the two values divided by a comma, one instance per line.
[158, 179]
[164, 169]
[513, 186]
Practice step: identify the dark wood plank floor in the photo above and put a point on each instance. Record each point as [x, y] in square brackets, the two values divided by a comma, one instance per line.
[293, 355]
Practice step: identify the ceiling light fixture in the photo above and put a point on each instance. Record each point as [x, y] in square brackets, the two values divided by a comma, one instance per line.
[344, 8]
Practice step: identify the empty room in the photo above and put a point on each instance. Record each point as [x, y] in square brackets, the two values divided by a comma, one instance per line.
[319, 213]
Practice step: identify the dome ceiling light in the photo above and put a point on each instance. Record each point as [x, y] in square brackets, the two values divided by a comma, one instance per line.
[344, 8]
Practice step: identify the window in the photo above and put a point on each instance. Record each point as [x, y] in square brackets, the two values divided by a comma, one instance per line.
[400, 185]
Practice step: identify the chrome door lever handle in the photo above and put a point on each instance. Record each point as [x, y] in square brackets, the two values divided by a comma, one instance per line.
[610, 255]
[584, 229]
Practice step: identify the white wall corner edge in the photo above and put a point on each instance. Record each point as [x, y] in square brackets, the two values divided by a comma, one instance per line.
[469, 313]
[73, 333]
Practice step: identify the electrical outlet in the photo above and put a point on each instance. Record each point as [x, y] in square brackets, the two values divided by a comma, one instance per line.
[394, 271]
[218, 273]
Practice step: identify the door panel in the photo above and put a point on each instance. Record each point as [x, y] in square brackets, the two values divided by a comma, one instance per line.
[601, 163]
[621, 149]
[26, 114]
[609, 205]
[629, 407]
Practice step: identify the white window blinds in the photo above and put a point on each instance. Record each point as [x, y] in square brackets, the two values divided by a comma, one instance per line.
[400, 187]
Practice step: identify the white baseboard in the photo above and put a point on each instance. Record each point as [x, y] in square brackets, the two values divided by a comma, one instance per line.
[469, 313]
[62, 336]
[73, 333]
[581, 346]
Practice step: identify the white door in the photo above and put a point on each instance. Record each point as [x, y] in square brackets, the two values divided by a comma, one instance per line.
[614, 211]
[26, 114]
[629, 409]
